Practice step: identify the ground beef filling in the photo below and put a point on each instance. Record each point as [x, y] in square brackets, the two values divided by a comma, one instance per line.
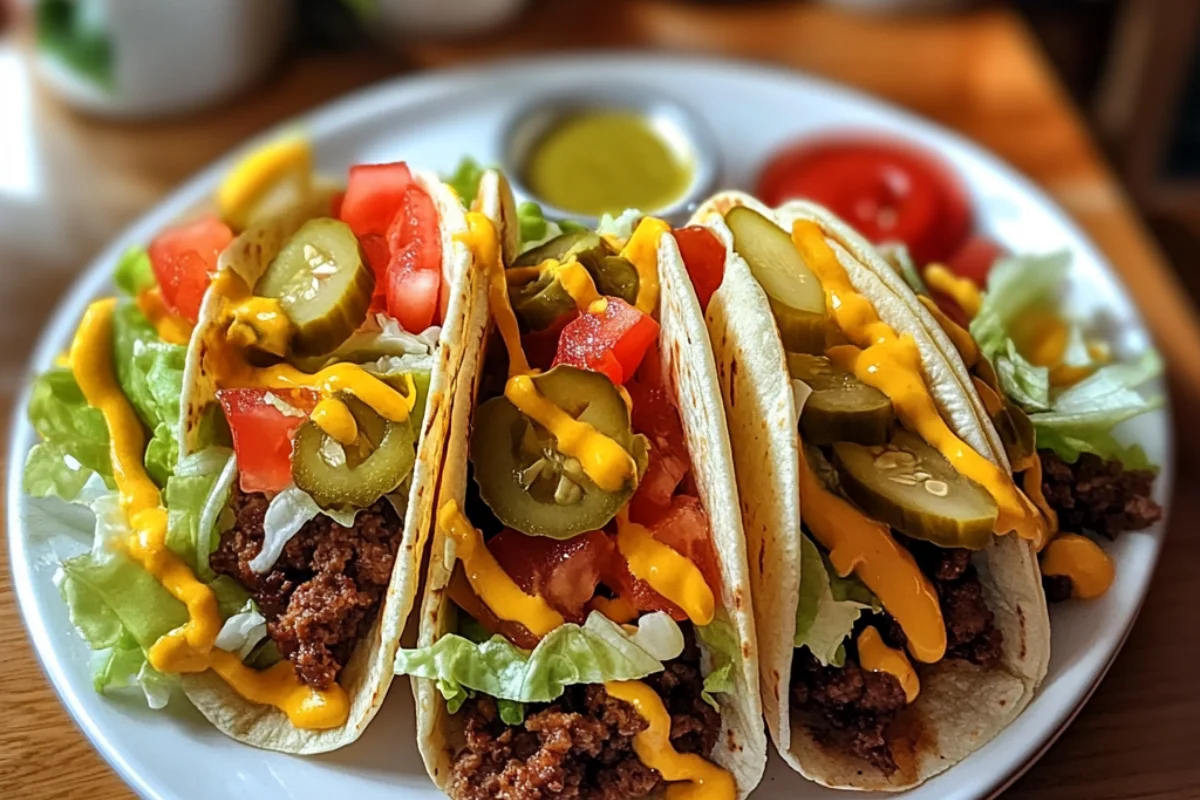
[581, 745]
[1096, 496]
[854, 707]
[325, 589]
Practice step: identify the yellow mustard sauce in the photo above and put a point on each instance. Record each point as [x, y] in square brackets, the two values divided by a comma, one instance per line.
[577, 282]
[189, 648]
[690, 776]
[481, 238]
[866, 547]
[605, 162]
[333, 417]
[1083, 561]
[962, 291]
[875, 656]
[892, 363]
[618, 609]
[257, 173]
[491, 583]
[260, 322]
[170, 327]
[642, 251]
[668, 572]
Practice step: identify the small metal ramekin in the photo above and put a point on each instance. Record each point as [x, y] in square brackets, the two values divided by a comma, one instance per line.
[680, 127]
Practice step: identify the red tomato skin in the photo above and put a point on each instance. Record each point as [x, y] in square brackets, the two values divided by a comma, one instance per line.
[887, 190]
[612, 342]
[414, 272]
[564, 572]
[975, 259]
[184, 260]
[412, 294]
[654, 415]
[262, 435]
[704, 258]
[686, 530]
[374, 193]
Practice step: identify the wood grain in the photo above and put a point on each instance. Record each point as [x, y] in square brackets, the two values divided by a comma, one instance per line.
[979, 73]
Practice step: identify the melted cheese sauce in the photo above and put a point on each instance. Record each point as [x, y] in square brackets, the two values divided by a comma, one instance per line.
[260, 322]
[690, 776]
[668, 572]
[865, 547]
[333, 417]
[892, 363]
[189, 648]
[491, 583]
[1083, 561]
[170, 327]
[875, 656]
[962, 291]
[642, 251]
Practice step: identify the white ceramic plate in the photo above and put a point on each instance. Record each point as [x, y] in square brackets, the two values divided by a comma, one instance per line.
[432, 121]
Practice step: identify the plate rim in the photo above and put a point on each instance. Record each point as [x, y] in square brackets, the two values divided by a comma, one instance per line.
[405, 89]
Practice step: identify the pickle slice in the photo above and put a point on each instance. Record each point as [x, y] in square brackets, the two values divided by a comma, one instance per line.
[796, 297]
[358, 475]
[911, 487]
[323, 283]
[527, 483]
[614, 276]
[539, 303]
[841, 408]
[581, 244]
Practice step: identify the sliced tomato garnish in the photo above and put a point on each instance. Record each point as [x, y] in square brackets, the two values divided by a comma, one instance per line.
[262, 434]
[685, 529]
[184, 260]
[613, 341]
[704, 257]
[464, 597]
[414, 276]
[888, 190]
[636, 591]
[654, 415]
[374, 193]
[563, 572]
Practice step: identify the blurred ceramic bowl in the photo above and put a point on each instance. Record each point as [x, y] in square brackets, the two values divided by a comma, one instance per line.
[401, 20]
[148, 58]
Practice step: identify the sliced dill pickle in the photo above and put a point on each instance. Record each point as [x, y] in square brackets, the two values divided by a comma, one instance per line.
[796, 297]
[323, 283]
[911, 487]
[523, 478]
[539, 303]
[615, 277]
[561, 248]
[841, 408]
[358, 475]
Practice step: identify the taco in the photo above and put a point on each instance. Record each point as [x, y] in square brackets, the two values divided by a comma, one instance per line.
[1056, 388]
[901, 619]
[292, 355]
[587, 627]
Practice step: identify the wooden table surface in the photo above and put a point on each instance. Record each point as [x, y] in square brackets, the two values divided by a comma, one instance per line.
[980, 73]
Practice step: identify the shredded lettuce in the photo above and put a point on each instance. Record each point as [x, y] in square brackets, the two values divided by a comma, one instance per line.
[287, 513]
[465, 180]
[599, 650]
[197, 499]
[1076, 419]
[828, 608]
[620, 227]
[243, 631]
[719, 640]
[74, 442]
[134, 274]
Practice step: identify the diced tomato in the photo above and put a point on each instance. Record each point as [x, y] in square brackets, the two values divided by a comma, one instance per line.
[974, 259]
[704, 257]
[685, 529]
[184, 260]
[654, 415]
[564, 573]
[639, 594]
[612, 342]
[378, 257]
[464, 597]
[888, 190]
[262, 434]
[374, 193]
[414, 276]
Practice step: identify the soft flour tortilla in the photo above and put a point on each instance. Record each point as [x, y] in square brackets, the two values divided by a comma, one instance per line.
[688, 361]
[960, 707]
[367, 675]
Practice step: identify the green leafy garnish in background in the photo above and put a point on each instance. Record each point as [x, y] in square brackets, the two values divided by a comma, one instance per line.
[72, 32]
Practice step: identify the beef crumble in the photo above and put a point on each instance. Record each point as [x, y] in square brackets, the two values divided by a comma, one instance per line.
[323, 592]
[581, 745]
[1097, 495]
[855, 706]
